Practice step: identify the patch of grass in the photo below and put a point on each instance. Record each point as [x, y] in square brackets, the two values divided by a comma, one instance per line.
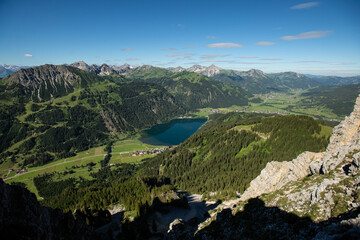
[340, 205]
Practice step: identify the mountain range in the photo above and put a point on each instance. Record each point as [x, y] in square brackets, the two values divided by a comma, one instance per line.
[9, 69]
[271, 171]
[54, 111]
[253, 80]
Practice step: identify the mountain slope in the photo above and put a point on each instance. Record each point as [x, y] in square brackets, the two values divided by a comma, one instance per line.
[331, 174]
[206, 71]
[254, 81]
[334, 80]
[226, 156]
[340, 99]
[22, 217]
[315, 196]
[51, 112]
[191, 89]
[4, 72]
[45, 82]
[295, 80]
[104, 69]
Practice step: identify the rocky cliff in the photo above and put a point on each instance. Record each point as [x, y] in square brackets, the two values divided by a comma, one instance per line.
[344, 142]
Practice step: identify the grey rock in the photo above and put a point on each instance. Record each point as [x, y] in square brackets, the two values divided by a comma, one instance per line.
[344, 140]
[315, 195]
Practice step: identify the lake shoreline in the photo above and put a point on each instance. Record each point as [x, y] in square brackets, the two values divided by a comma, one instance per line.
[172, 132]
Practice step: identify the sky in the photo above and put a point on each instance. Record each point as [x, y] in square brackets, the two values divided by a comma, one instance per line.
[313, 37]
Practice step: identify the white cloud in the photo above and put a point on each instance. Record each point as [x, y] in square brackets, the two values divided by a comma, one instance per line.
[180, 54]
[180, 25]
[27, 55]
[211, 37]
[224, 45]
[131, 59]
[307, 35]
[190, 46]
[342, 63]
[212, 56]
[221, 61]
[265, 43]
[250, 63]
[248, 57]
[271, 59]
[308, 61]
[305, 5]
[169, 49]
[126, 49]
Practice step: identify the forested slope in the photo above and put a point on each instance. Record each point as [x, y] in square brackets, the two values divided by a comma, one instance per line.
[226, 157]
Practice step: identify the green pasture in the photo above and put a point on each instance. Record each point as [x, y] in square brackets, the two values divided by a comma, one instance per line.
[122, 152]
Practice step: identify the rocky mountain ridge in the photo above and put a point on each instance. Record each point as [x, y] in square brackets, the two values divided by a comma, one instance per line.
[207, 71]
[46, 81]
[104, 69]
[253, 80]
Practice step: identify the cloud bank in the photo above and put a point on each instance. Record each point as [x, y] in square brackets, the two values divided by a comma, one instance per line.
[265, 43]
[307, 35]
[224, 45]
[304, 5]
[212, 56]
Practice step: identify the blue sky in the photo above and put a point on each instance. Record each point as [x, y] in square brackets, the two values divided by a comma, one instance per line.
[316, 37]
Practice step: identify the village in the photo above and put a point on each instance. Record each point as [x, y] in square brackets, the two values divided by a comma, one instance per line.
[152, 150]
[16, 172]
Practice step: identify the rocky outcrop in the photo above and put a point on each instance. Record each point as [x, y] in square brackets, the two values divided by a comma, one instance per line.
[348, 131]
[345, 140]
[257, 221]
[276, 174]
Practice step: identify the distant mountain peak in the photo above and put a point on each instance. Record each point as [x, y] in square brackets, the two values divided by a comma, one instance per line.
[207, 71]
[256, 73]
[176, 69]
[104, 69]
[81, 65]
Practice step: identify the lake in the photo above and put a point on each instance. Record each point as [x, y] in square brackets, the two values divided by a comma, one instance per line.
[172, 133]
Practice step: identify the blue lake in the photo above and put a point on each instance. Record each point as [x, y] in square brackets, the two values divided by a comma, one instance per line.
[172, 133]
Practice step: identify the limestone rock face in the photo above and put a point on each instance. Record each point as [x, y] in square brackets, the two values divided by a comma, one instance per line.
[347, 132]
[276, 174]
[344, 141]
